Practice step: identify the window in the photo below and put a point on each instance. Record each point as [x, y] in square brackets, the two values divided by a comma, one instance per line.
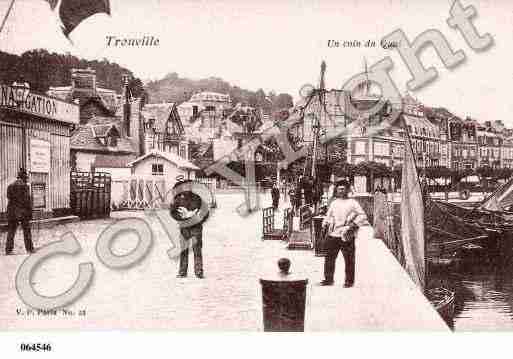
[381, 149]
[157, 169]
[359, 148]
[183, 152]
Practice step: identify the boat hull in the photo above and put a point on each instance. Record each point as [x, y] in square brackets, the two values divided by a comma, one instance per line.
[443, 301]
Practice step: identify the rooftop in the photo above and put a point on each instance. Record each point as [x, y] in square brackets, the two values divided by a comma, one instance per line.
[85, 139]
[210, 96]
[162, 113]
[175, 159]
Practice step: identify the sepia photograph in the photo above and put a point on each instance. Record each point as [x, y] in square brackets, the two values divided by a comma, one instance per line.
[255, 166]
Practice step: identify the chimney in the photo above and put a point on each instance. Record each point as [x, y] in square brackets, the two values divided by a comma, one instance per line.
[126, 105]
[84, 80]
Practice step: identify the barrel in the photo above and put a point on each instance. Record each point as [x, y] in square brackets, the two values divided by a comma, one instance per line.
[284, 305]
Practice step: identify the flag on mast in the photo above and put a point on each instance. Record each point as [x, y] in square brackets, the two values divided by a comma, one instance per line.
[412, 219]
[73, 12]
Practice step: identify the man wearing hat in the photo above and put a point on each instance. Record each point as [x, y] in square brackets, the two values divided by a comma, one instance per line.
[186, 205]
[275, 195]
[344, 217]
[19, 210]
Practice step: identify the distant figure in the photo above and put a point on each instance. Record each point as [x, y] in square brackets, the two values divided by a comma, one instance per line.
[317, 192]
[298, 196]
[308, 189]
[294, 199]
[185, 206]
[342, 220]
[19, 210]
[284, 190]
[275, 194]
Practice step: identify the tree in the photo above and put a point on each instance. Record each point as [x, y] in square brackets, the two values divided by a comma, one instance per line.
[253, 100]
[484, 172]
[42, 69]
[344, 169]
[137, 88]
[262, 101]
[437, 172]
[283, 101]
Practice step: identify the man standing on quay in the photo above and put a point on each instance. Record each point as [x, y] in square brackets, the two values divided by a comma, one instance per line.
[342, 220]
[186, 205]
[19, 210]
[275, 194]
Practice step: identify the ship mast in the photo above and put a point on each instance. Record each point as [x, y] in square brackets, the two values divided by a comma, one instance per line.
[316, 119]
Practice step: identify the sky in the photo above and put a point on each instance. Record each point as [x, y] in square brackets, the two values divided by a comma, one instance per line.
[279, 44]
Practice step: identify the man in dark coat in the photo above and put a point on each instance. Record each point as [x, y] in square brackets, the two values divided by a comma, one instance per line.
[186, 205]
[275, 194]
[317, 194]
[308, 189]
[19, 210]
[296, 197]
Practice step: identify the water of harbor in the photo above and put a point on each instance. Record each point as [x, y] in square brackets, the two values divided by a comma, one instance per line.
[484, 294]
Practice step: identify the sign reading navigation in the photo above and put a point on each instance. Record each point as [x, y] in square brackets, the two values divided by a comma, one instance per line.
[39, 105]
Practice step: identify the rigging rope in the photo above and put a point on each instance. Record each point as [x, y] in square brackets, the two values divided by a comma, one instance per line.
[6, 15]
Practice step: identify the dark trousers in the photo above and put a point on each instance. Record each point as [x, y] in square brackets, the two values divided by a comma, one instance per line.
[12, 225]
[308, 198]
[276, 201]
[197, 244]
[333, 245]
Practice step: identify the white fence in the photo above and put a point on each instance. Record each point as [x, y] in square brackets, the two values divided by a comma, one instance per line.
[141, 192]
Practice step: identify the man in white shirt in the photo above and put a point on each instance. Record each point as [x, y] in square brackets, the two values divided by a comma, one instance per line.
[342, 220]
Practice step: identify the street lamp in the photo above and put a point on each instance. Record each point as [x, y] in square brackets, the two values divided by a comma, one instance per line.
[315, 128]
[21, 92]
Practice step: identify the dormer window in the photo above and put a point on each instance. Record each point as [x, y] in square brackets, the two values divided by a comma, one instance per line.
[106, 135]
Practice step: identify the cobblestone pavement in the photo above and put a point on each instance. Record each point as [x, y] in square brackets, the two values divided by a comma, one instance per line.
[149, 296]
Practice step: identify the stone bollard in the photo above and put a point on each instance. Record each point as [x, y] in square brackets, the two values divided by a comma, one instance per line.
[284, 301]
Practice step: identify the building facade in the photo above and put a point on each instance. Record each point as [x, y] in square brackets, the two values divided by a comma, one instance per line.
[166, 165]
[110, 132]
[163, 130]
[490, 145]
[438, 137]
[35, 133]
